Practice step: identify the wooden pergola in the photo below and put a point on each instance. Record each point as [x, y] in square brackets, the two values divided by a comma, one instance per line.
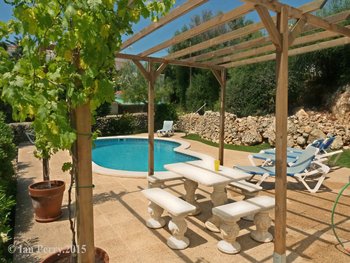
[283, 40]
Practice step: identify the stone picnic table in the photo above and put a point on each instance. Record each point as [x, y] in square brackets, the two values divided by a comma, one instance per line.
[199, 172]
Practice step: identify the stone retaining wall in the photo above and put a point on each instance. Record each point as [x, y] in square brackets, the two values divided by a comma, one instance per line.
[303, 128]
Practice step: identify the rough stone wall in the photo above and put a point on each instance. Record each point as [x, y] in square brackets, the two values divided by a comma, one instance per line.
[303, 128]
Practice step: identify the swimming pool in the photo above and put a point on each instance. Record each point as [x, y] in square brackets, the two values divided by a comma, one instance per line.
[130, 154]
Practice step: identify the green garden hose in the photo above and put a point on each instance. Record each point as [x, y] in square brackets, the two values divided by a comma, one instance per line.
[333, 211]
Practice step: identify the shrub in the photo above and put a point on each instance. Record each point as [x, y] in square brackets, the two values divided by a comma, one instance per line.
[121, 125]
[7, 150]
[104, 109]
[7, 188]
[6, 205]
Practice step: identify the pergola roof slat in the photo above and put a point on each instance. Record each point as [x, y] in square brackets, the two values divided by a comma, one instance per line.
[216, 21]
[240, 32]
[296, 13]
[263, 40]
[227, 50]
[172, 15]
[260, 50]
[168, 61]
[293, 52]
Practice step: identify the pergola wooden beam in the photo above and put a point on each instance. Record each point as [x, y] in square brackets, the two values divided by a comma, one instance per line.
[172, 15]
[168, 61]
[269, 24]
[334, 19]
[160, 69]
[296, 30]
[268, 48]
[235, 34]
[144, 72]
[260, 41]
[298, 14]
[297, 51]
[214, 22]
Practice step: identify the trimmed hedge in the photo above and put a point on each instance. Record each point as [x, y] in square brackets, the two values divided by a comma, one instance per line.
[112, 125]
[134, 123]
[121, 124]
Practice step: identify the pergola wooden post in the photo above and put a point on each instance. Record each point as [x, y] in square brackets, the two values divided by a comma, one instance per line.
[84, 185]
[150, 75]
[150, 115]
[279, 36]
[221, 78]
[281, 137]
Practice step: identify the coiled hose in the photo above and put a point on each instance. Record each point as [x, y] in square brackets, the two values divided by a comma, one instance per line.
[333, 212]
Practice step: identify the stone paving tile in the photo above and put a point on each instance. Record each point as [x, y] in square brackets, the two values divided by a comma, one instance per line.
[120, 211]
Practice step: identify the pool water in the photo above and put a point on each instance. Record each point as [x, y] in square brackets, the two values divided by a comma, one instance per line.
[131, 154]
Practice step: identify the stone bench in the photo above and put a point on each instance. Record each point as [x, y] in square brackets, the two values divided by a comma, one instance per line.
[178, 209]
[249, 190]
[231, 213]
[158, 179]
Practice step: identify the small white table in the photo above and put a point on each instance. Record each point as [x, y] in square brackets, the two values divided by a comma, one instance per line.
[198, 172]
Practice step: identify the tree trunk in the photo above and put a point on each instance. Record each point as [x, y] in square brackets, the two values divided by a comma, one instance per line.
[46, 169]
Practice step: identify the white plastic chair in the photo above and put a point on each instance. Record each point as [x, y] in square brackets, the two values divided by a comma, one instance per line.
[167, 129]
[31, 137]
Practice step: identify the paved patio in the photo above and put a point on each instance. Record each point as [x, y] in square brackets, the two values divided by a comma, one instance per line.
[120, 211]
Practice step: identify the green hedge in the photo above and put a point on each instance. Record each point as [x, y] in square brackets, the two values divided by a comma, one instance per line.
[121, 124]
[134, 123]
[7, 186]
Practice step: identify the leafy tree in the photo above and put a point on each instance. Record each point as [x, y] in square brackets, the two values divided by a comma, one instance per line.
[135, 86]
[204, 89]
[185, 80]
[68, 51]
[250, 89]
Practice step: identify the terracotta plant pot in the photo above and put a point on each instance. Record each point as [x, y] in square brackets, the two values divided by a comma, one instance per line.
[63, 256]
[47, 200]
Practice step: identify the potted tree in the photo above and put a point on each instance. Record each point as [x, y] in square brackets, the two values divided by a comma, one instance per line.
[64, 75]
[46, 195]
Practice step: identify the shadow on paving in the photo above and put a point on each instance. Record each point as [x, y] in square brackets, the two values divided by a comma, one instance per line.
[112, 196]
[25, 251]
[24, 210]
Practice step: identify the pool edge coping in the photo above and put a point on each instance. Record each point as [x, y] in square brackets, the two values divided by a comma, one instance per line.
[182, 148]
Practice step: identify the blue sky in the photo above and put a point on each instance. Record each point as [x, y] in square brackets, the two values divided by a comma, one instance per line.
[168, 31]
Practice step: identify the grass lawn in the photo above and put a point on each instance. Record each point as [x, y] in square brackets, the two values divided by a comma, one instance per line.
[253, 149]
[344, 159]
